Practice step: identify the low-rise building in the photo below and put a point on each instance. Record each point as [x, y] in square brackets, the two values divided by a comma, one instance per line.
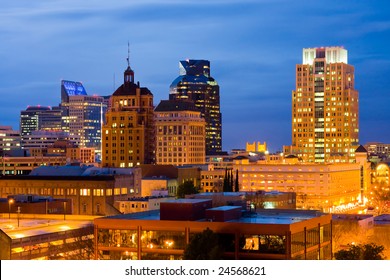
[326, 187]
[92, 190]
[46, 239]
[164, 234]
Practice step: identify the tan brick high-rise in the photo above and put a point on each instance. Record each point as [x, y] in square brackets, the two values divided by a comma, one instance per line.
[128, 134]
[325, 107]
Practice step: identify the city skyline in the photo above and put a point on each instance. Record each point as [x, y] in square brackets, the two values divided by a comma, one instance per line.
[253, 49]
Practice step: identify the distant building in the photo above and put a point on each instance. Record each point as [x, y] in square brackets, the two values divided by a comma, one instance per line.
[196, 84]
[9, 140]
[71, 88]
[212, 179]
[39, 118]
[91, 190]
[140, 204]
[329, 187]
[251, 200]
[164, 234]
[82, 114]
[378, 149]
[41, 139]
[22, 165]
[180, 133]
[83, 119]
[256, 147]
[128, 132]
[325, 107]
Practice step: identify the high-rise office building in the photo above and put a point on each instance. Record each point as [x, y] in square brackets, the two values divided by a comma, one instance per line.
[180, 133]
[196, 84]
[128, 134]
[82, 114]
[325, 107]
[39, 118]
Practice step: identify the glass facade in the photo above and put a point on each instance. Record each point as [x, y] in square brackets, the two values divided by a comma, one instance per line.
[153, 239]
[265, 243]
[196, 84]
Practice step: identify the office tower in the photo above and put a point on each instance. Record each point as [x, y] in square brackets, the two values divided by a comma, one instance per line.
[196, 84]
[70, 88]
[39, 118]
[128, 133]
[50, 120]
[325, 107]
[180, 133]
[82, 114]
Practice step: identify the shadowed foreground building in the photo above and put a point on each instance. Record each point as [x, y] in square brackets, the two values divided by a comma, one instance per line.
[46, 239]
[164, 234]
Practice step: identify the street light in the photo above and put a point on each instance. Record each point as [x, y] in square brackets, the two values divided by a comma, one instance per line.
[18, 214]
[10, 201]
[64, 209]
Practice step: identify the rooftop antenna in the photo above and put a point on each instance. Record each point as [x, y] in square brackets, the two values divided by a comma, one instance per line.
[128, 54]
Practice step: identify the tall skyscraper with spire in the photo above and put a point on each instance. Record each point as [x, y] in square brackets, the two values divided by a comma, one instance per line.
[195, 83]
[325, 107]
[128, 132]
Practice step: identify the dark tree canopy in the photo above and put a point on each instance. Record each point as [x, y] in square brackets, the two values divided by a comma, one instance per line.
[361, 252]
[236, 186]
[186, 188]
[204, 246]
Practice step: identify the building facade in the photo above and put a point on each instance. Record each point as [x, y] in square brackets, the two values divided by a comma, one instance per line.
[52, 240]
[24, 165]
[180, 133]
[84, 119]
[39, 118]
[92, 191]
[128, 133]
[196, 84]
[328, 187]
[325, 107]
[9, 140]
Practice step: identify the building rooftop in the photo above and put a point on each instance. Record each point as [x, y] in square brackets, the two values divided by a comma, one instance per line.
[361, 149]
[34, 227]
[175, 105]
[267, 216]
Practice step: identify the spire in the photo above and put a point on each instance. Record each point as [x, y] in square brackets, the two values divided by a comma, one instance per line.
[129, 74]
[128, 54]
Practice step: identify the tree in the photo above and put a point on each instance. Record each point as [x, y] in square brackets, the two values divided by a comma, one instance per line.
[231, 181]
[369, 251]
[204, 246]
[380, 197]
[186, 188]
[236, 186]
[226, 181]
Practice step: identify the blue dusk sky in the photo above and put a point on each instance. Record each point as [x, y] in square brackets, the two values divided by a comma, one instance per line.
[253, 47]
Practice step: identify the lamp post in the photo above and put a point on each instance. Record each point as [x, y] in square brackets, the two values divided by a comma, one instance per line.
[10, 201]
[18, 214]
[64, 209]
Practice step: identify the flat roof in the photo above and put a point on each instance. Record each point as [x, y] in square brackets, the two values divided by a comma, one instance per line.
[187, 201]
[267, 216]
[34, 227]
[224, 208]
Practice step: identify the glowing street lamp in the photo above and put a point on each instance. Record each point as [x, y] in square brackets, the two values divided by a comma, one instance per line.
[10, 201]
